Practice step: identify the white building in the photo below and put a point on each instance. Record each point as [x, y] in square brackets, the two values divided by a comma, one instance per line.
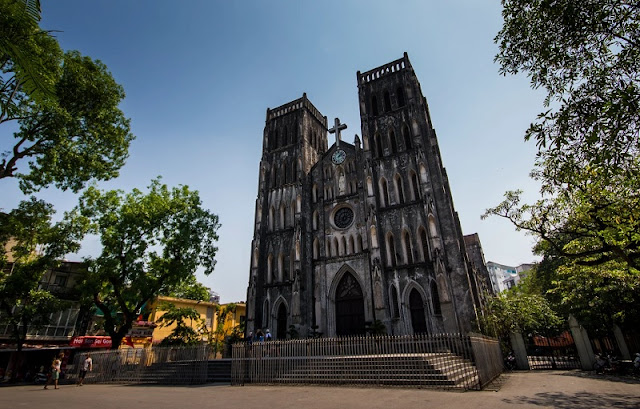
[505, 277]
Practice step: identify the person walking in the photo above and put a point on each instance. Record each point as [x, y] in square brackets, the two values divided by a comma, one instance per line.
[87, 366]
[55, 371]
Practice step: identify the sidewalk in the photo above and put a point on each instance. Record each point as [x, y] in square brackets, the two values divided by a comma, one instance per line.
[535, 389]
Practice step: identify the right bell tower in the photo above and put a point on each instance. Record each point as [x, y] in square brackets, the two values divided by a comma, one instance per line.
[420, 246]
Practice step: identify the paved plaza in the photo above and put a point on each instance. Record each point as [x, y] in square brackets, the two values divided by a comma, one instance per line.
[539, 389]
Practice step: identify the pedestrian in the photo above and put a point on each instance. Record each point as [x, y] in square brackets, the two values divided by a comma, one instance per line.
[259, 335]
[87, 366]
[55, 371]
[267, 335]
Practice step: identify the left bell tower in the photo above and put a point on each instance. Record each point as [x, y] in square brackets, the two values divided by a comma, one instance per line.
[295, 137]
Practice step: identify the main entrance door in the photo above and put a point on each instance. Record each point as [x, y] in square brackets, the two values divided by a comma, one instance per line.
[282, 322]
[349, 307]
[416, 305]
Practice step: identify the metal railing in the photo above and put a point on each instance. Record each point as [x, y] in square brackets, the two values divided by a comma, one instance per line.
[444, 361]
[158, 365]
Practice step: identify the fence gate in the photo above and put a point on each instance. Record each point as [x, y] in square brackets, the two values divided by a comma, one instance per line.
[558, 352]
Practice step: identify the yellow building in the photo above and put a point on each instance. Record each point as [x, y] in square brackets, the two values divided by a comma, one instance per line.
[209, 314]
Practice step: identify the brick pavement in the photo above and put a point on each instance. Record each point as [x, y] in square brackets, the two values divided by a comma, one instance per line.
[536, 389]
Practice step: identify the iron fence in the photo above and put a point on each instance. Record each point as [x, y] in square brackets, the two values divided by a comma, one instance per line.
[158, 365]
[446, 361]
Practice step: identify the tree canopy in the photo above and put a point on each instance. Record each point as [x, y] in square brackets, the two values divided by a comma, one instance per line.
[151, 243]
[586, 55]
[190, 289]
[34, 245]
[65, 105]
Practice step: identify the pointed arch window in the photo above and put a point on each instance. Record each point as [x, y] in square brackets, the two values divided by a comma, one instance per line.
[395, 306]
[292, 213]
[384, 193]
[399, 188]
[335, 247]
[391, 251]
[328, 245]
[269, 268]
[316, 249]
[352, 245]
[393, 142]
[377, 145]
[408, 253]
[374, 105]
[400, 96]
[314, 193]
[272, 217]
[280, 267]
[282, 215]
[435, 299]
[315, 220]
[406, 135]
[387, 102]
[424, 243]
[415, 186]
[343, 244]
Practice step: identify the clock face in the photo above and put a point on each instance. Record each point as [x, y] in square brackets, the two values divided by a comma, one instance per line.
[343, 217]
[338, 156]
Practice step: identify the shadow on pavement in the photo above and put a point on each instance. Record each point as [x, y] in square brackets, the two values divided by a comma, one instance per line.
[562, 400]
[610, 378]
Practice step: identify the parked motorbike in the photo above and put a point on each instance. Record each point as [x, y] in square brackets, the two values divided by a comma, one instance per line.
[510, 362]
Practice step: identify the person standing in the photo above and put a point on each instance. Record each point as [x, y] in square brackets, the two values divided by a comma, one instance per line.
[55, 371]
[87, 366]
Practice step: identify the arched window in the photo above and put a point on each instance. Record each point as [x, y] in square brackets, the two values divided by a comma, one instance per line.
[281, 267]
[284, 179]
[343, 244]
[360, 243]
[391, 251]
[276, 139]
[415, 186]
[316, 249]
[334, 247]
[329, 253]
[393, 142]
[269, 268]
[387, 102]
[377, 144]
[285, 136]
[282, 214]
[272, 217]
[424, 243]
[423, 173]
[351, 246]
[314, 193]
[255, 258]
[369, 186]
[400, 96]
[292, 212]
[408, 253]
[374, 105]
[395, 306]
[315, 220]
[435, 299]
[399, 188]
[406, 135]
[384, 193]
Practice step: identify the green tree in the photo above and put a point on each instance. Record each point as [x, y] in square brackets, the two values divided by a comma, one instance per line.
[218, 335]
[151, 243]
[35, 245]
[518, 311]
[67, 136]
[190, 289]
[586, 55]
[183, 333]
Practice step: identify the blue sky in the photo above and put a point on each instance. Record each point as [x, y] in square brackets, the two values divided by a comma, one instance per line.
[200, 74]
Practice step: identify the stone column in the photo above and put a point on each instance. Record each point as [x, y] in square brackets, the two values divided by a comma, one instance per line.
[622, 344]
[583, 345]
[519, 350]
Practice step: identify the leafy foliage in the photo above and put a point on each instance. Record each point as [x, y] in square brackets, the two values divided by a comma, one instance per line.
[70, 129]
[183, 333]
[218, 335]
[518, 311]
[586, 55]
[190, 289]
[151, 241]
[35, 246]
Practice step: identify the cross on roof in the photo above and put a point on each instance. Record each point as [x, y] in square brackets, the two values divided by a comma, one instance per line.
[337, 127]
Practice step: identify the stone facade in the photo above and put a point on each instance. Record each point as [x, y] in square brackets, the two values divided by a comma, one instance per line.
[357, 233]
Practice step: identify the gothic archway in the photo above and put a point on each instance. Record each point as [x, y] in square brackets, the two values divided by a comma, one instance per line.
[416, 307]
[281, 329]
[349, 307]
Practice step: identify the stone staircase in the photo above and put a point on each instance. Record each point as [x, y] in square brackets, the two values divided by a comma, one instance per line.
[440, 370]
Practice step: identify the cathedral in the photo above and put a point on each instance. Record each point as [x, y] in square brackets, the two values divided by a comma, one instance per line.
[356, 237]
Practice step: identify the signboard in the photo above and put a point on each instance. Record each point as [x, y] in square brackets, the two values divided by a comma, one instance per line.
[91, 342]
